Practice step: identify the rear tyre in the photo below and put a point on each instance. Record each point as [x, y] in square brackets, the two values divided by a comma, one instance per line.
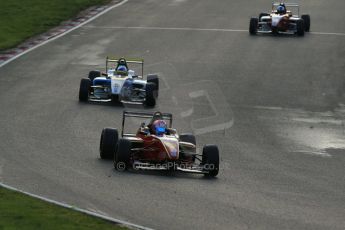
[263, 14]
[116, 100]
[306, 19]
[154, 79]
[122, 156]
[93, 74]
[300, 27]
[150, 99]
[190, 138]
[108, 143]
[210, 160]
[253, 26]
[187, 137]
[84, 89]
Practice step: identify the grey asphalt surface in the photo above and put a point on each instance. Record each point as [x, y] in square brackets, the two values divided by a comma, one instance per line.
[273, 105]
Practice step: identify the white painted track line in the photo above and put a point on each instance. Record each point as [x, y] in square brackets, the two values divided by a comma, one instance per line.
[193, 29]
[165, 28]
[325, 33]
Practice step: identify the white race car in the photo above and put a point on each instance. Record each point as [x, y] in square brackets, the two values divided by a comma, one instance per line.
[119, 83]
[283, 18]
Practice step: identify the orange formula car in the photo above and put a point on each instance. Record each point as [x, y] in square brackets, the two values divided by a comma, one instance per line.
[157, 146]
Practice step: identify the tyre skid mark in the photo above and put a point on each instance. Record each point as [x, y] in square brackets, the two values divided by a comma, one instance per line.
[316, 153]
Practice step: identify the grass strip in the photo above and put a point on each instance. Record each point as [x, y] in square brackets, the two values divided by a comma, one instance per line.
[22, 19]
[19, 211]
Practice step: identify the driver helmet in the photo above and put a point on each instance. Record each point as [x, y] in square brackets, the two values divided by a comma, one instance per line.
[159, 127]
[281, 9]
[122, 70]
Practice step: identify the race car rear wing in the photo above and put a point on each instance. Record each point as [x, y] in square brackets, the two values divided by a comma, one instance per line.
[292, 5]
[128, 60]
[286, 4]
[164, 116]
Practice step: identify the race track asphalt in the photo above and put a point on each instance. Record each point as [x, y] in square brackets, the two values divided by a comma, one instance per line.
[273, 105]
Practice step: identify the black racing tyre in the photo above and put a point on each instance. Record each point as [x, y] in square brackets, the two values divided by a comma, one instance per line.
[123, 154]
[263, 14]
[150, 99]
[188, 137]
[300, 27]
[93, 74]
[154, 79]
[306, 19]
[84, 89]
[253, 26]
[210, 160]
[108, 143]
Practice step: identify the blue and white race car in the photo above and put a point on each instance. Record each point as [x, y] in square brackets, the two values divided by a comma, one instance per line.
[119, 83]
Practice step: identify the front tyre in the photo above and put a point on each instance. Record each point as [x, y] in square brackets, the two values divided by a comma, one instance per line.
[253, 26]
[210, 160]
[150, 99]
[306, 19]
[123, 154]
[108, 143]
[84, 89]
[153, 78]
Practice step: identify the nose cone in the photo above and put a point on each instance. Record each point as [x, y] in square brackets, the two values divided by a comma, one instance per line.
[172, 147]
